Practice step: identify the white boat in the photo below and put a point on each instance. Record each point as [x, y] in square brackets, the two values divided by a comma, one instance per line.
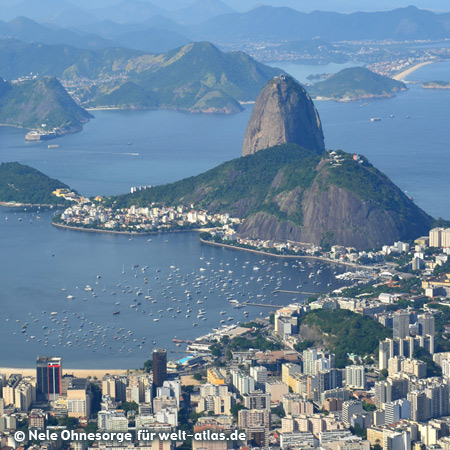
[70, 297]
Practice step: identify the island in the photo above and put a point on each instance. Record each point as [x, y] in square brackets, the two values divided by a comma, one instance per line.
[22, 185]
[355, 83]
[42, 105]
[436, 85]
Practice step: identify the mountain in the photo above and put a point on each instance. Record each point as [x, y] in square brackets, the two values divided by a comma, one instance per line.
[283, 113]
[152, 40]
[285, 24]
[355, 83]
[23, 184]
[196, 77]
[28, 30]
[128, 11]
[156, 35]
[200, 11]
[30, 104]
[288, 192]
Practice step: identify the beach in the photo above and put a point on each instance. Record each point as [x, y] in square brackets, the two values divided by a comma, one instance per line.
[80, 373]
[404, 73]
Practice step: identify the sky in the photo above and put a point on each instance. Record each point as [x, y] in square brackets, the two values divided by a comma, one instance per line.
[301, 5]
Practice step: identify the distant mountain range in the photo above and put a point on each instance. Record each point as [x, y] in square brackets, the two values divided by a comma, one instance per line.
[31, 104]
[280, 24]
[142, 25]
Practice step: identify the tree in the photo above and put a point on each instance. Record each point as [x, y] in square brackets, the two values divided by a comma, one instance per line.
[130, 406]
[236, 408]
[148, 365]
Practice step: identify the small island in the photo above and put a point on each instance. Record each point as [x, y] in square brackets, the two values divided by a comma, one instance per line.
[355, 83]
[42, 105]
[436, 85]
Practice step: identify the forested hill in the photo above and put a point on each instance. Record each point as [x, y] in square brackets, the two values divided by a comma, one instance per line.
[30, 104]
[289, 192]
[355, 83]
[196, 77]
[23, 184]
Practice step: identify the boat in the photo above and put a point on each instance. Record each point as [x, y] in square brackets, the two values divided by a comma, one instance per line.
[375, 119]
[70, 297]
[53, 146]
[115, 313]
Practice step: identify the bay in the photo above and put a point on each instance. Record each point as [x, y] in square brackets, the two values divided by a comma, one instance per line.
[37, 260]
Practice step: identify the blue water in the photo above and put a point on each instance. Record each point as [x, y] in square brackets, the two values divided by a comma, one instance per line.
[37, 260]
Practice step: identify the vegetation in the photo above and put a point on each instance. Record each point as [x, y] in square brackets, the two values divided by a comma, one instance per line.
[354, 83]
[23, 184]
[130, 406]
[240, 181]
[30, 104]
[346, 332]
[369, 184]
[197, 76]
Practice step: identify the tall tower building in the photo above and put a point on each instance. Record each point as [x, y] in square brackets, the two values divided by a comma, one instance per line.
[426, 324]
[48, 376]
[159, 367]
[401, 324]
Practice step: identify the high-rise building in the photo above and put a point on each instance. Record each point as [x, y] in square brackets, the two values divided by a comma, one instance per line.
[436, 237]
[159, 367]
[48, 376]
[426, 324]
[355, 377]
[401, 324]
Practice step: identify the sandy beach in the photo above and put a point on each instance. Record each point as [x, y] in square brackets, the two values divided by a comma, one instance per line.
[402, 75]
[80, 373]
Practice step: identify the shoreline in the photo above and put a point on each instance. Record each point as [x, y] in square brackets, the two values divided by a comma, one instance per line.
[405, 73]
[261, 252]
[80, 373]
[130, 233]
[32, 205]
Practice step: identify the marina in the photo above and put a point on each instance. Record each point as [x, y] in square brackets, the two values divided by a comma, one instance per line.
[115, 307]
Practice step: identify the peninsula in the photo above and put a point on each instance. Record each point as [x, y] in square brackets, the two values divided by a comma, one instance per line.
[21, 184]
[293, 191]
[42, 105]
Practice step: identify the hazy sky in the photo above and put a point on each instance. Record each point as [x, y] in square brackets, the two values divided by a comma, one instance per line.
[301, 5]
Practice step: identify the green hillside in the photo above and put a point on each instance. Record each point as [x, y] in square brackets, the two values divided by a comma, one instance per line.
[288, 192]
[242, 186]
[354, 83]
[30, 104]
[197, 76]
[23, 184]
[344, 332]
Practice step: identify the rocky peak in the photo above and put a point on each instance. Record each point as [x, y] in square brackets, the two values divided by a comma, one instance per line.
[283, 113]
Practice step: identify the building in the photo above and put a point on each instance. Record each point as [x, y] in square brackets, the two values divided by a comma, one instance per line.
[276, 389]
[214, 376]
[79, 398]
[355, 377]
[48, 376]
[426, 324]
[401, 324]
[159, 367]
[349, 408]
